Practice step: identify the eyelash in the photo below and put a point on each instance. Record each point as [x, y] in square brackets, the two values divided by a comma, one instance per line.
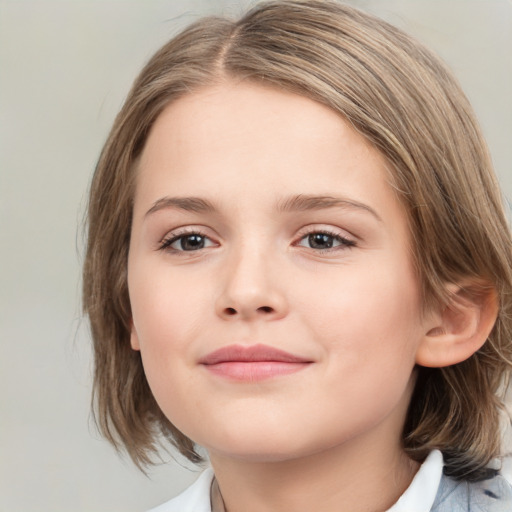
[165, 244]
[345, 243]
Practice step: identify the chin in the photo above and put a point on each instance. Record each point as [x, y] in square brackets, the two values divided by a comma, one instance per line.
[260, 446]
[263, 456]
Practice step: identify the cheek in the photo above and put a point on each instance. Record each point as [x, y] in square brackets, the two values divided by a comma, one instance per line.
[167, 317]
[370, 316]
[166, 323]
[167, 309]
[368, 327]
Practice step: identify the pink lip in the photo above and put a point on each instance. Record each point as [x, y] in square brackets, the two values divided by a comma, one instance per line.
[252, 363]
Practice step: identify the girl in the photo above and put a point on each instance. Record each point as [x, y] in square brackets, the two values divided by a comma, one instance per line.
[298, 259]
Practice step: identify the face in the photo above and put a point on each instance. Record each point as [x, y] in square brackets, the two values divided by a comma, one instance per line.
[274, 299]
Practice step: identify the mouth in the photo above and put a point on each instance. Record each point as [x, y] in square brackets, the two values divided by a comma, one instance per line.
[252, 363]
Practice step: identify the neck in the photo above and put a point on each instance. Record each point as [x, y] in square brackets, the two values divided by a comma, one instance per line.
[358, 478]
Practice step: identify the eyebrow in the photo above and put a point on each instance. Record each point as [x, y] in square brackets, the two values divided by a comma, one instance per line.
[303, 202]
[298, 203]
[189, 204]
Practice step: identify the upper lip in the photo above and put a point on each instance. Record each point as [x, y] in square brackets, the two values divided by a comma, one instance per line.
[250, 353]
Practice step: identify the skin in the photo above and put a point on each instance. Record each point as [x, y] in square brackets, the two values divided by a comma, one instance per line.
[326, 437]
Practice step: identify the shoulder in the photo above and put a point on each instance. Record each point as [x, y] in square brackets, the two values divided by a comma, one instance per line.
[491, 495]
[195, 498]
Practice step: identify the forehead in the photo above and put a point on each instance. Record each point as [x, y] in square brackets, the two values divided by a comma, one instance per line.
[253, 121]
[253, 144]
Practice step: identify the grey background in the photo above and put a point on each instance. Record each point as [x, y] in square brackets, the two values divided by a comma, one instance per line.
[65, 67]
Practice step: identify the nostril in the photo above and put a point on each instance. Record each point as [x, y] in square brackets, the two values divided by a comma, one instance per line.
[266, 309]
[231, 311]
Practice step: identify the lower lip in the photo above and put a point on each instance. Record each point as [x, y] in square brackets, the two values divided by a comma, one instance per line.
[252, 371]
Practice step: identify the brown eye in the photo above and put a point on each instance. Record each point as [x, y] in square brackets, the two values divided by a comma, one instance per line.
[186, 242]
[320, 240]
[191, 242]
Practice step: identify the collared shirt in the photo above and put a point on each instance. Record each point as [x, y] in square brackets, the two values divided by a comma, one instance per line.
[429, 491]
[422, 491]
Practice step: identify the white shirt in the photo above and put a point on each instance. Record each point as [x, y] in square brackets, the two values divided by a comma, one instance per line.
[419, 496]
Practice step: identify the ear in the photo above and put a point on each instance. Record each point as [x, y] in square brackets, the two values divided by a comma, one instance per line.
[460, 328]
[134, 337]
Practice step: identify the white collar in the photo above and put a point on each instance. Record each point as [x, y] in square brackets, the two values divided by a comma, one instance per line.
[195, 498]
[420, 495]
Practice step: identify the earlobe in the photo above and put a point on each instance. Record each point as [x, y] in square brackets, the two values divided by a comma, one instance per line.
[461, 328]
[134, 337]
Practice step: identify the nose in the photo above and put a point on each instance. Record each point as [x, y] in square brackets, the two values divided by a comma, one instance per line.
[250, 288]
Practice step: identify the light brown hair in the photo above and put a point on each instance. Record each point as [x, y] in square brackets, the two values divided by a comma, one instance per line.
[408, 105]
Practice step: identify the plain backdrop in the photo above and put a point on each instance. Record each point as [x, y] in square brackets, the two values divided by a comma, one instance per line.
[65, 67]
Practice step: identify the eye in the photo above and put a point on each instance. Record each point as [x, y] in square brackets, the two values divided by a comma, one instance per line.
[186, 242]
[323, 240]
